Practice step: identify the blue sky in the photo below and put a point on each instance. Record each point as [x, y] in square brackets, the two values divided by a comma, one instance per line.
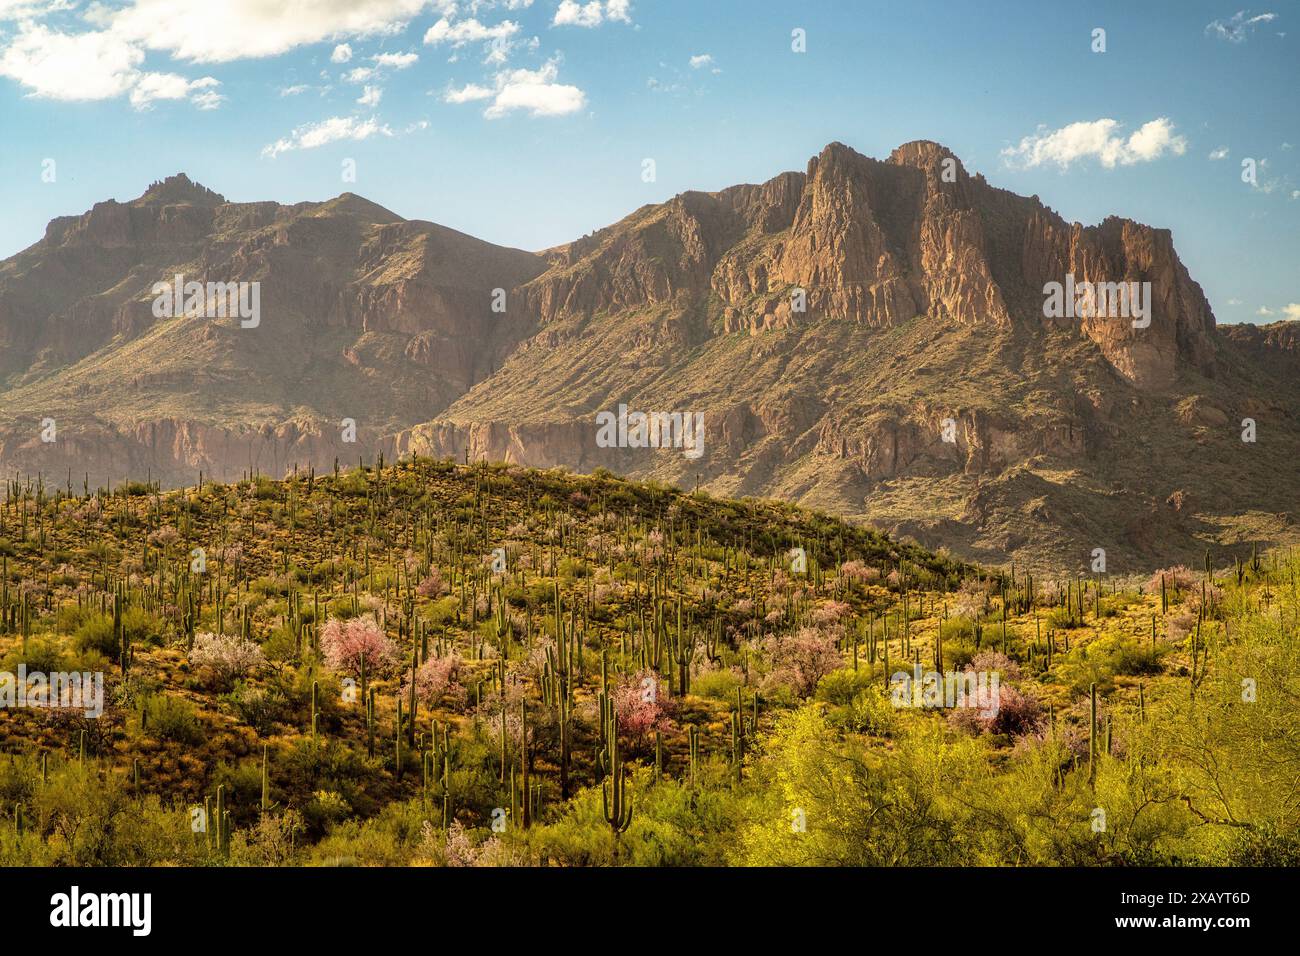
[527, 123]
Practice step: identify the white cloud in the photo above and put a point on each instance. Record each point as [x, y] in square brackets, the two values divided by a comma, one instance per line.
[500, 48]
[207, 32]
[173, 86]
[1097, 139]
[396, 61]
[1220, 153]
[364, 74]
[370, 96]
[207, 100]
[1264, 310]
[592, 14]
[468, 31]
[32, 9]
[468, 93]
[105, 61]
[314, 135]
[571, 14]
[1292, 311]
[61, 66]
[535, 91]
[1237, 27]
[701, 61]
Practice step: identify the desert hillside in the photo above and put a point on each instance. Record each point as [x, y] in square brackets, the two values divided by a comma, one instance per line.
[436, 664]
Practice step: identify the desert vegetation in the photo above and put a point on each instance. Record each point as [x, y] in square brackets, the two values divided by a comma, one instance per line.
[428, 663]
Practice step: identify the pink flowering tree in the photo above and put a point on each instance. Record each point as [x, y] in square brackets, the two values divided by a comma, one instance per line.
[831, 612]
[1018, 714]
[436, 680]
[1177, 578]
[859, 572]
[640, 704]
[801, 660]
[433, 585]
[346, 644]
[990, 661]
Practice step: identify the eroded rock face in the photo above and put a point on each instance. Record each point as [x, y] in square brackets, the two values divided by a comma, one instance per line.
[879, 243]
[178, 451]
[1181, 328]
[929, 441]
[1275, 346]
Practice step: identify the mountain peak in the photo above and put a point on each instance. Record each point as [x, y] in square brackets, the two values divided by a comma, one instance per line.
[180, 188]
[350, 204]
[923, 154]
[919, 153]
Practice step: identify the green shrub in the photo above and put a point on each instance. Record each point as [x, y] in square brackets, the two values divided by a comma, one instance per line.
[96, 634]
[1062, 619]
[842, 686]
[173, 718]
[260, 709]
[719, 683]
[958, 629]
[870, 713]
[43, 654]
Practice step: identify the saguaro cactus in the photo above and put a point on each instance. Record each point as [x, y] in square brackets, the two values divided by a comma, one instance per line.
[1092, 736]
[523, 760]
[222, 818]
[266, 781]
[613, 798]
[315, 711]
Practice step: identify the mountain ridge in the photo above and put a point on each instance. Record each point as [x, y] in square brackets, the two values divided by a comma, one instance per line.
[923, 304]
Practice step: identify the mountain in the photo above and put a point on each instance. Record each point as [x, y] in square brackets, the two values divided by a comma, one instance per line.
[923, 318]
[363, 315]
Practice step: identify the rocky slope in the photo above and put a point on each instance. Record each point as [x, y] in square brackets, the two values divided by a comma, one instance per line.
[866, 336]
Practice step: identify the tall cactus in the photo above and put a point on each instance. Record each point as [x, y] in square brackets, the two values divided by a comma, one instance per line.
[613, 797]
[1092, 736]
[694, 735]
[411, 717]
[737, 742]
[315, 712]
[523, 760]
[223, 844]
[266, 780]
